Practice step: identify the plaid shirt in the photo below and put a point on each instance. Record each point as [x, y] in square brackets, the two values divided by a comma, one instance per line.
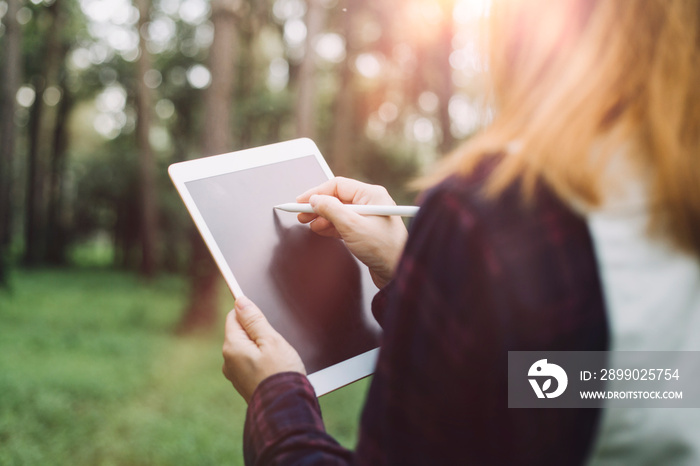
[478, 278]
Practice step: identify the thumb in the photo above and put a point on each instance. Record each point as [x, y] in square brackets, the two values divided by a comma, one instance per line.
[330, 208]
[252, 319]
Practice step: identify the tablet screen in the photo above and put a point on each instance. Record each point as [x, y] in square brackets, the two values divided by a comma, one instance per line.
[311, 289]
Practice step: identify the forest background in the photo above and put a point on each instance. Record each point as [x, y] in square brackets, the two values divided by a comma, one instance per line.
[110, 305]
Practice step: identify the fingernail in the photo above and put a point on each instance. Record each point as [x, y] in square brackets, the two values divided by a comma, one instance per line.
[313, 200]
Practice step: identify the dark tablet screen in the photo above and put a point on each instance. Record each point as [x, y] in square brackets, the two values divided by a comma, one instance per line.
[312, 290]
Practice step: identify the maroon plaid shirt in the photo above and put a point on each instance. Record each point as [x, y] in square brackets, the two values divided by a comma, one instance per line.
[478, 278]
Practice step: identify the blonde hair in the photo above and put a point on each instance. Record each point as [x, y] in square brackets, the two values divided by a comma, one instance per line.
[571, 75]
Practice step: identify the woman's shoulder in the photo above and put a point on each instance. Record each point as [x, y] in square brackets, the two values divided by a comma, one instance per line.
[532, 260]
[464, 186]
[465, 196]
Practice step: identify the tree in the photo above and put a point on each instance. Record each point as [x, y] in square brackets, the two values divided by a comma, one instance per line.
[58, 217]
[56, 241]
[445, 88]
[202, 309]
[10, 79]
[42, 126]
[343, 114]
[305, 112]
[147, 191]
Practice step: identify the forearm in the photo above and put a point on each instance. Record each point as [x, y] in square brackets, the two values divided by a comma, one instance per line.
[284, 426]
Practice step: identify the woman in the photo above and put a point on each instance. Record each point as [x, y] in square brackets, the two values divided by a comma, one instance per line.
[571, 223]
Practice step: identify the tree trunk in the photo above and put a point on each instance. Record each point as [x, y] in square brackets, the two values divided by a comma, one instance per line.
[257, 14]
[305, 111]
[127, 244]
[147, 166]
[33, 217]
[10, 79]
[202, 310]
[446, 87]
[57, 222]
[43, 121]
[203, 307]
[343, 118]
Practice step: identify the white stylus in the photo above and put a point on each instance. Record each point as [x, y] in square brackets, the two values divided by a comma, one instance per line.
[385, 210]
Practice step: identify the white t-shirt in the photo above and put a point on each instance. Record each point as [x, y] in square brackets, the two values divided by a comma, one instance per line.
[652, 292]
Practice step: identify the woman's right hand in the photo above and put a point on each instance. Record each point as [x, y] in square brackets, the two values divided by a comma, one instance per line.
[377, 241]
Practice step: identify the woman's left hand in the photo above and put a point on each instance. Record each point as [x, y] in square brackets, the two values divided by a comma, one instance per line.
[253, 350]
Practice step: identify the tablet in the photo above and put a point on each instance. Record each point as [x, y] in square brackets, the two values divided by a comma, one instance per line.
[310, 288]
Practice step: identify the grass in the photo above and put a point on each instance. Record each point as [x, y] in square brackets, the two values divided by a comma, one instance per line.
[91, 373]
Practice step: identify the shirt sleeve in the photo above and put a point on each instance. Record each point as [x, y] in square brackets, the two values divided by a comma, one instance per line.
[379, 303]
[284, 426]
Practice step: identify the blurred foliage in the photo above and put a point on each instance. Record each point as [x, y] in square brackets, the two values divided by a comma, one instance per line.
[389, 57]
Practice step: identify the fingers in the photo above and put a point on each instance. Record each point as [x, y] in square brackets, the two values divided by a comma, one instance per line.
[346, 189]
[306, 218]
[333, 211]
[319, 225]
[328, 187]
[253, 350]
[323, 227]
[251, 320]
[349, 191]
[234, 330]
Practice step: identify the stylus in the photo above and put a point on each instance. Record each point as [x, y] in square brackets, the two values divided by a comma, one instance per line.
[402, 210]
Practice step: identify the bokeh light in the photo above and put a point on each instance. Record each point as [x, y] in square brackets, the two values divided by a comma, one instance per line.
[199, 77]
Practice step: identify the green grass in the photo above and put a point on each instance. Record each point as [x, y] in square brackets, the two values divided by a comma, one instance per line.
[91, 373]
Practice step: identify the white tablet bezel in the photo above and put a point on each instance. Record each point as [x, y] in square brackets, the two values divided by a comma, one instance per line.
[325, 380]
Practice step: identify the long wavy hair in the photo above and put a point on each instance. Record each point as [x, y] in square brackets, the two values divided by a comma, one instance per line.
[573, 81]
